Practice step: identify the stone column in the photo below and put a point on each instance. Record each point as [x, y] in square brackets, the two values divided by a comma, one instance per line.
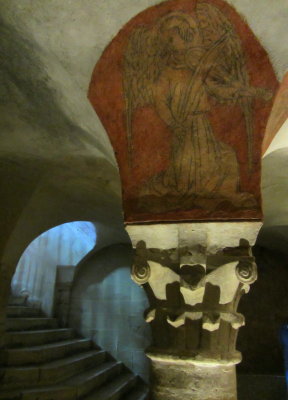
[194, 275]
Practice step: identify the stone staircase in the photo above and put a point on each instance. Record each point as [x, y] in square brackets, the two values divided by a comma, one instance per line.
[43, 362]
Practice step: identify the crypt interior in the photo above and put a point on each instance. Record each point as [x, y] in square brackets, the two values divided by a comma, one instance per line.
[144, 211]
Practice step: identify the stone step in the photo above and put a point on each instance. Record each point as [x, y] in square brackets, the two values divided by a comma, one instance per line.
[23, 311]
[50, 373]
[17, 300]
[56, 392]
[94, 378]
[25, 324]
[14, 395]
[141, 392]
[115, 389]
[18, 377]
[45, 353]
[60, 370]
[34, 338]
[51, 393]
[72, 389]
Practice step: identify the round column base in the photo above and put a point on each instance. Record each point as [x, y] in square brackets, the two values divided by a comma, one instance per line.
[176, 379]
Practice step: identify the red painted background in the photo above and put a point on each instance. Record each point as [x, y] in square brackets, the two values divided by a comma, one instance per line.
[152, 138]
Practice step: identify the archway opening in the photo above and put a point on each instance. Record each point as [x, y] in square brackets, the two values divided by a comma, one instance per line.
[76, 273]
[61, 247]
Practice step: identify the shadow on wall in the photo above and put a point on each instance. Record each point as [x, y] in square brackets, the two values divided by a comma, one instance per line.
[108, 307]
[36, 271]
[265, 309]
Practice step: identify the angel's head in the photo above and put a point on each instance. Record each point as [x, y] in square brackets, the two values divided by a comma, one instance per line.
[179, 31]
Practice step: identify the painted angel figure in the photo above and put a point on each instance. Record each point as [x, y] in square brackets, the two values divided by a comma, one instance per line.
[175, 66]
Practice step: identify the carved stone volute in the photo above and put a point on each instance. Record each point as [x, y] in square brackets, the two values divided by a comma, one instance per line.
[141, 271]
[194, 276]
[194, 290]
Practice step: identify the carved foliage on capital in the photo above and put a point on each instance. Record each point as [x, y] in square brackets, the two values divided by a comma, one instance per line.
[231, 270]
[192, 296]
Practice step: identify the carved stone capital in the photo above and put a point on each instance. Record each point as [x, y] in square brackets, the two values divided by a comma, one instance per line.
[195, 286]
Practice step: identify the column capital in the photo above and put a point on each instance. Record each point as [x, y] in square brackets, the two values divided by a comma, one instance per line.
[194, 275]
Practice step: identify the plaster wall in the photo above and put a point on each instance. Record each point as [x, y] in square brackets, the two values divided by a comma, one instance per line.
[107, 306]
[36, 270]
[51, 138]
[84, 28]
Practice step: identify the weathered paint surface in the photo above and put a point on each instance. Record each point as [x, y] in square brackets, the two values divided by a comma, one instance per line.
[210, 167]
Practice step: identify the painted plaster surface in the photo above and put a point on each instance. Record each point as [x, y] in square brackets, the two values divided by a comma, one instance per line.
[45, 33]
[184, 92]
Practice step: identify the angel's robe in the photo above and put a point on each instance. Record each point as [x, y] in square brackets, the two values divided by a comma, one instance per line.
[200, 164]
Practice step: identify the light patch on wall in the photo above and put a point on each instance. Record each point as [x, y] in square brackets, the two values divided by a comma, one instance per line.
[280, 140]
[112, 315]
[107, 307]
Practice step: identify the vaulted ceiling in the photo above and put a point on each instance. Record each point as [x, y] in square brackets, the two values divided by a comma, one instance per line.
[56, 161]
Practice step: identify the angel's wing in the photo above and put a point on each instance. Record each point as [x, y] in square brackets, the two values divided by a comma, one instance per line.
[212, 25]
[141, 69]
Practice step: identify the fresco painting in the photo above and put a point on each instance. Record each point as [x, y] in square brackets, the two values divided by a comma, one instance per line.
[180, 96]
